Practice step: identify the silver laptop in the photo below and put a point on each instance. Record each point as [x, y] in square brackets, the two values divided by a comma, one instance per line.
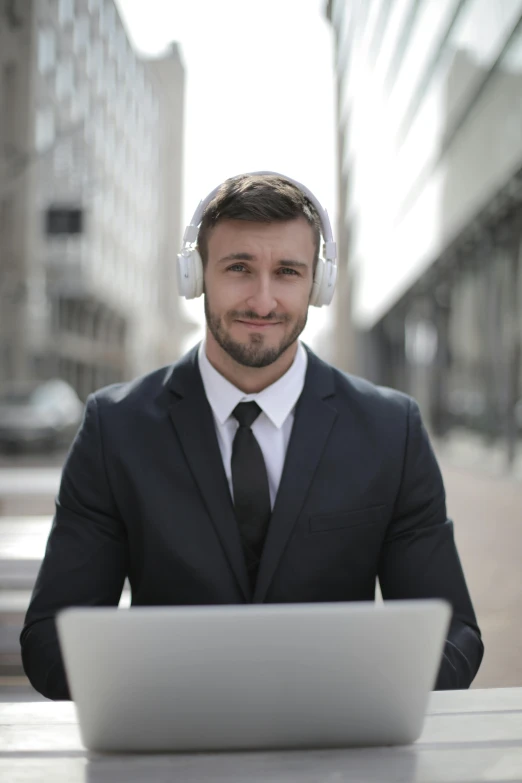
[252, 676]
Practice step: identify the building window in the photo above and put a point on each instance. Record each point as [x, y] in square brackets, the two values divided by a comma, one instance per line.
[338, 12]
[81, 34]
[121, 41]
[66, 11]
[46, 50]
[430, 32]
[121, 55]
[64, 79]
[80, 103]
[139, 82]
[110, 79]
[396, 20]
[95, 59]
[44, 129]
[108, 19]
[130, 72]
[63, 158]
[110, 142]
[476, 38]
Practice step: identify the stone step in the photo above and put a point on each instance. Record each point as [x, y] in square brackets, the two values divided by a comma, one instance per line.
[22, 546]
[29, 481]
[28, 490]
[18, 574]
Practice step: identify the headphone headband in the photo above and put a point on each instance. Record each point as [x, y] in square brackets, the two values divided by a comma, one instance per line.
[190, 266]
[330, 249]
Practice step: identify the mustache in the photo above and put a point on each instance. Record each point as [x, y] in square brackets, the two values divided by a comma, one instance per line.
[250, 315]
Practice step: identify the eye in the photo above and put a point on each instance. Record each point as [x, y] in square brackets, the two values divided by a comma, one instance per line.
[236, 268]
[286, 270]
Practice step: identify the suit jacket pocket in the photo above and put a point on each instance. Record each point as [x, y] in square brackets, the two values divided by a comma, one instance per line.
[342, 519]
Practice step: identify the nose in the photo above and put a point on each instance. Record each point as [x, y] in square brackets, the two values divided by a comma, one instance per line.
[262, 300]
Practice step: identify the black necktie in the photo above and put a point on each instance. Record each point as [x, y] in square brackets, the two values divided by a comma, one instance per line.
[250, 485]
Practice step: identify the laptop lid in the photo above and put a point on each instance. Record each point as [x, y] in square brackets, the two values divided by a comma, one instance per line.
[252, 676]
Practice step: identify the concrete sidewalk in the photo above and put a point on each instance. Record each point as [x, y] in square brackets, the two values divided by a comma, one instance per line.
[487, 512]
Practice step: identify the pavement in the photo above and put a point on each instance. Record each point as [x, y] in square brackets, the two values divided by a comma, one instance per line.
[487, 513]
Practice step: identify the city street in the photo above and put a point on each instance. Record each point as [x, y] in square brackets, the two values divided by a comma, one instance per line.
[486, 510]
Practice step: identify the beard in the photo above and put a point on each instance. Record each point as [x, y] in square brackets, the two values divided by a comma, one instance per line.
[254, 352]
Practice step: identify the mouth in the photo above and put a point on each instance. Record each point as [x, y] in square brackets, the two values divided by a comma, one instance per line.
[258, 325]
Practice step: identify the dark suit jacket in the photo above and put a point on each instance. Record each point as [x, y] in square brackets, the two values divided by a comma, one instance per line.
[144, 495]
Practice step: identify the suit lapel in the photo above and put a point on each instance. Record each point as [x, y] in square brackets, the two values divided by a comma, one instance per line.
[313, 421]
[192, 418]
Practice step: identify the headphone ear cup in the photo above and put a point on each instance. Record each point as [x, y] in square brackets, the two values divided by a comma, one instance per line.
[190, 274]
[315, 296]
[328, 283]
[324, 283]
[198, 273]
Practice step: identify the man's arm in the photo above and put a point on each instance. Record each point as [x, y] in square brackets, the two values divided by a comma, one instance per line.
[85, 559]
[420, 559]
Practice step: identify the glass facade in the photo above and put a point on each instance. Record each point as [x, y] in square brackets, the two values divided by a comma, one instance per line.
[430, 111]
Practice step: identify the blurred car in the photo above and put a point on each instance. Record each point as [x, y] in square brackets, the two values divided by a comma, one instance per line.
[44, 415]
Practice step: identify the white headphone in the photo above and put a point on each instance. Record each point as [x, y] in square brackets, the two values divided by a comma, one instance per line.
[190, 265]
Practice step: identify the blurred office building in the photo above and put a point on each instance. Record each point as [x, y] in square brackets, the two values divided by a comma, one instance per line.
[90, 196]
[430, 182]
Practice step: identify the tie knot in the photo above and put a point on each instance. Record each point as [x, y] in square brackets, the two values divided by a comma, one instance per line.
[246, 413]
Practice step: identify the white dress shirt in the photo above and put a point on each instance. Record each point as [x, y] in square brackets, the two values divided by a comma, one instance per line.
[273, 426]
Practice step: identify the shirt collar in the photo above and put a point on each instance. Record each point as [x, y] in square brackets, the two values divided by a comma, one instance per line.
[277, 401]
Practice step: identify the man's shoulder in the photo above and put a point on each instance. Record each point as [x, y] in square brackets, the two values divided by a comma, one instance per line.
[357, 390]
[135, 389]
[360, 388]
[138, 393]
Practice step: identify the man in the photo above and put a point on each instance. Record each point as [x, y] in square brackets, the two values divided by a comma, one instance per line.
[250, 471]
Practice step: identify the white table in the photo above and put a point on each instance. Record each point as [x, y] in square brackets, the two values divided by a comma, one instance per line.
[468, 736]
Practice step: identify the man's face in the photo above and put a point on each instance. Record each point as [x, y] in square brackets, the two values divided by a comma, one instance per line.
[258, 281]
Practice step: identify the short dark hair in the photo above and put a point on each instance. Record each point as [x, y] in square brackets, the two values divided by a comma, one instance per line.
[263, 198]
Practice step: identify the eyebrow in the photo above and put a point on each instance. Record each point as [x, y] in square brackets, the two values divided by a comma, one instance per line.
[250, 257]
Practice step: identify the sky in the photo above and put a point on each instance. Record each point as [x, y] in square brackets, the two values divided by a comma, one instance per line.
[260, 94]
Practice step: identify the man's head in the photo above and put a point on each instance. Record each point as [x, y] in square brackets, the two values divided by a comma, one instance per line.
[259, 242]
